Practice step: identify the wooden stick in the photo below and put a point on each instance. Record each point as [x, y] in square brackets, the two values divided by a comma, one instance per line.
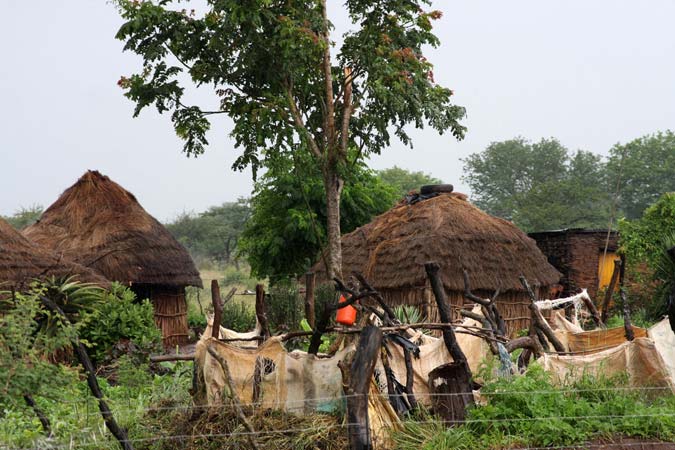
[627, 325]
[360, 376]
[310, 280]
[610, 290]
[44, 420]
[260, 311]
[595, 315]
[82, 355]
[176, 357]
[539, 320]
[233, 395]
[449, 338]
[217, 309]
[409, 378]
[671, 297]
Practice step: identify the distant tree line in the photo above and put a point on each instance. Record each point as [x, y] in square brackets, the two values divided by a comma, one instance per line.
[281, 229]
[543, 185]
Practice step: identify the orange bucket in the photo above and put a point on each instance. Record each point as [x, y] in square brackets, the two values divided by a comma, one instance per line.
[347, 315]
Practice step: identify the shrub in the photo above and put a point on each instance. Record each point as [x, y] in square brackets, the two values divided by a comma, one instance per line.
[643, 242]
[238, 316]
[119, 317]
[285, 308]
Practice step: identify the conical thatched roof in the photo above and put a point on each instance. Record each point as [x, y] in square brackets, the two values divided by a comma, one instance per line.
[99, 224]
[392, 249]
[22, 261]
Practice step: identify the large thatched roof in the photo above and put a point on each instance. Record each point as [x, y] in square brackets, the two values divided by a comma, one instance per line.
[22, 261]
[392, 249]
[99, 224]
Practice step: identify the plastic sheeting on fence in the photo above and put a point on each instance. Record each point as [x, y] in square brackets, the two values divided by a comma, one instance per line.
[433, 353]
[649, 360]
[295, 381]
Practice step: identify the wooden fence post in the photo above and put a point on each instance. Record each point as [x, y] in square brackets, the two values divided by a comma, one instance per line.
[610, 290]
[310, 280]
[260, 311]
[360, 376]
[217, 309]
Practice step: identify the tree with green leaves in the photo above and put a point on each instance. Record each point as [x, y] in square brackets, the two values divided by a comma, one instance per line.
[643, 169]
[540, 185]
[276, 72]
[213, 234]
[25, 216]
[404, 180]
[287, 229]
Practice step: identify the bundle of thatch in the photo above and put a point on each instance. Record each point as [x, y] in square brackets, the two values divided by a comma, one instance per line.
[21, 262]
[99, 224]
[392, 249]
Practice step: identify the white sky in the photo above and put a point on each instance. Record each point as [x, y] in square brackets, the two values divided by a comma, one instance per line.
[589, 72]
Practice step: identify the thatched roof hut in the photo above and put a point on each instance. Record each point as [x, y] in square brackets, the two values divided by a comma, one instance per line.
[99, 224]
[21, 262]
[392, 249]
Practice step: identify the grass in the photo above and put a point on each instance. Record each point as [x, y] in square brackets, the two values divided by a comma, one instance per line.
[76, 421]
[528, 411]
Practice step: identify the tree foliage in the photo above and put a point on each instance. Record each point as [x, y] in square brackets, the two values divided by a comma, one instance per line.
[287, 228]
[540, 185]
[645, 168]
[24, 216]
[271, 67]
[644, 242]
[213, 234]
[404, 180]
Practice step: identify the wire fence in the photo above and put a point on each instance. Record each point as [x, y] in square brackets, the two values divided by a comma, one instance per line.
[84, 414]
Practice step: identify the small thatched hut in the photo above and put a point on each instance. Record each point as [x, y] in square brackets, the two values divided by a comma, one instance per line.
[392, 249]
[99, 224]
[21, 262]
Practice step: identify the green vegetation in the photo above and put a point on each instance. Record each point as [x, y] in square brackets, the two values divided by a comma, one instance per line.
[540, 185]
[24, 216]
[405, 181]
[529, 411]
[294, 92]
[213, 235]
[238, 316]
[649, 270]
[645, 168]
[120, 316]
[287, 229]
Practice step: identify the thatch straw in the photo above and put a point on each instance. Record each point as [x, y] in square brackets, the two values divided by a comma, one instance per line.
[392, 249]
[21, 262]
[99, 224]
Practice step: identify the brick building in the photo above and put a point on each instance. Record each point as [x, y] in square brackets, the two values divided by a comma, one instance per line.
[579, 254]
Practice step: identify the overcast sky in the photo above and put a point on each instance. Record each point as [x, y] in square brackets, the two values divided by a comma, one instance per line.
[589, 72]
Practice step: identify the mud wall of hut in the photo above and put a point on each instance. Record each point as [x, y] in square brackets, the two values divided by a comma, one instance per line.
[513, 305]
[576, 254]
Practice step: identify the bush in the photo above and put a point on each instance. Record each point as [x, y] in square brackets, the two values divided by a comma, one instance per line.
[238, 316]
[643, 242]
[285, 308]
[119, 317]
[529, 411]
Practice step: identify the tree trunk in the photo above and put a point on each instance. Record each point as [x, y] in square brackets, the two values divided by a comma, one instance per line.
[360, 376]
[309, 298]
[450, 386]
[333, 184]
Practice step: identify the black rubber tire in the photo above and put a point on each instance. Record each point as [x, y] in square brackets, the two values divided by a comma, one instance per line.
[433, 188]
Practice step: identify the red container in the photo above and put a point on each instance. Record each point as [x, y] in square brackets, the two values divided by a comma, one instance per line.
[347, 315]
